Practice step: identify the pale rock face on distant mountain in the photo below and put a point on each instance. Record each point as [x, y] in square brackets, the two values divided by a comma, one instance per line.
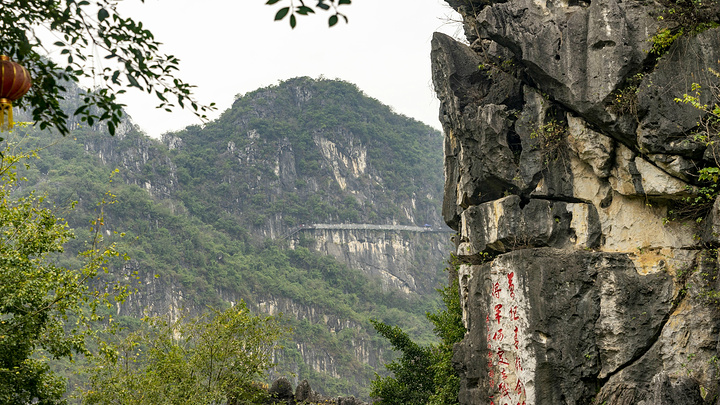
[576, 289]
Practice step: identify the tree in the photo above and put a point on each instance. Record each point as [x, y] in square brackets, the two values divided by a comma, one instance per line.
[91, 34]
[87, 32]
[424, 374]
[412, 379]
[38, 298]
[214, 358]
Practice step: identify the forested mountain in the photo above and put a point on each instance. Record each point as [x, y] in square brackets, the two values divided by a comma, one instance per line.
[217, 214]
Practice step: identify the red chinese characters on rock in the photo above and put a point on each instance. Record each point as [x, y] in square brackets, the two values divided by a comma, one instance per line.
[498, 308]
[503, 337]
[496, 290]
[501, 357]
[504, 390]
[513, 313]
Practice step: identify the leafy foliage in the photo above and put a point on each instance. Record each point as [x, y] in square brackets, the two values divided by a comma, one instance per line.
[708, 133]
[84, 31]
[683, 17]
[208, 359]
[551, 140]
[624, 99]
[690, 15]
[449, 327]
[44, 307]
[424, 374]
[298, 7]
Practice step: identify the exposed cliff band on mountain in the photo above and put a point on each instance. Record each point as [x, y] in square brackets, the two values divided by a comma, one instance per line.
[565, 152]
[307, 198]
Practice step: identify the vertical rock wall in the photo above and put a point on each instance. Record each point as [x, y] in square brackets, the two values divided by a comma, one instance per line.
[564, 153]
[410, 262]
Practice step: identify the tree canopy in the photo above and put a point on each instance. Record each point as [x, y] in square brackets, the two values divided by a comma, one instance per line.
[45, 309]
[97, 43]
[216, 358]
[424, 375]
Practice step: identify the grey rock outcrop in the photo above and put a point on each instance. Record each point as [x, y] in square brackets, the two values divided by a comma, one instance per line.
[578, 286]
[281, 393]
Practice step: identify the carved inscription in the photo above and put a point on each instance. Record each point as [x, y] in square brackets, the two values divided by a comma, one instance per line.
[504, 335]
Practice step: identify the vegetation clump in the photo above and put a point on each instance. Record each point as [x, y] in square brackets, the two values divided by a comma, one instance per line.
[707, 133]
[624, 100]
[424, 375]
[208, 359]
[551, 139]
[46, 309]
[684, 17]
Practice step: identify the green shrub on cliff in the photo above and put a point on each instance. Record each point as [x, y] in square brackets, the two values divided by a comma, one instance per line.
[707, 133]
[423, 374]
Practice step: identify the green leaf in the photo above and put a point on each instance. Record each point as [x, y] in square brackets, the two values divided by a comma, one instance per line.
[282, 13]
[332, 20]
[340, 2]
[304, 10]
[58, 43]
[103, 14]
[271, 2]
[133, 81]
[293, 21]
[322, 5]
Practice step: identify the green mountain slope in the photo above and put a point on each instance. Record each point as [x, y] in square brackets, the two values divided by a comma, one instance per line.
[205, 211]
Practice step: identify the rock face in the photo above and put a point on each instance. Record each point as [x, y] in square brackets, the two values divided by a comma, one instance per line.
[564, 154]
[407, 261]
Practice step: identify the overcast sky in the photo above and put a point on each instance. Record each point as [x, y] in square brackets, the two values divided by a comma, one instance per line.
[231, 47]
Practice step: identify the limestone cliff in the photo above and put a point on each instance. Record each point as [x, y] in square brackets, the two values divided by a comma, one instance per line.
[565, 150]
[250, 206]
[286, 157]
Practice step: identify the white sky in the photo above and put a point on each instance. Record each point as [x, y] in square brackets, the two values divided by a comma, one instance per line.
[230, 47]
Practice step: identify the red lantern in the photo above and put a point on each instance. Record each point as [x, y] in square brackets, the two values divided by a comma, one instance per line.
[14, 83]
